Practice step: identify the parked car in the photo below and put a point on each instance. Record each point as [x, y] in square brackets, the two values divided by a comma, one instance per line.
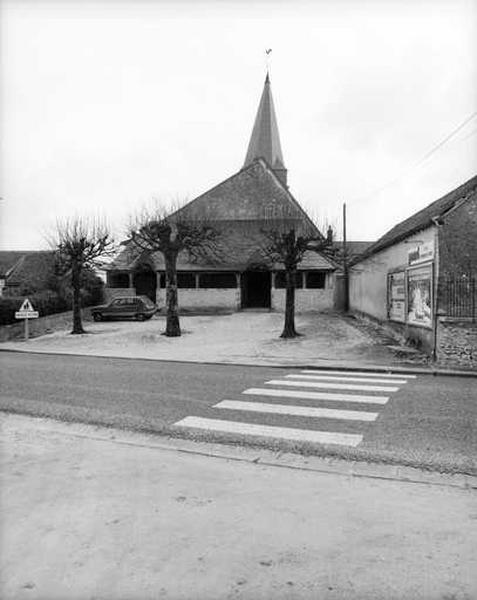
[125, 307]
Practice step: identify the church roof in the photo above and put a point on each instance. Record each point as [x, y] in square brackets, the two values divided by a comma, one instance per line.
[265, 139]
[241, 208]
[254, 193]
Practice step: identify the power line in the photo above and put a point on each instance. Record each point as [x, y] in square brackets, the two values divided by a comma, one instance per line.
[432, 151]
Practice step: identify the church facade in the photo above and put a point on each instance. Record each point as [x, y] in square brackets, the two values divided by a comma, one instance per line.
[241, 208]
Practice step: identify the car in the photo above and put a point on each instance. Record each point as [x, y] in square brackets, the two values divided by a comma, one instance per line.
[126, 307]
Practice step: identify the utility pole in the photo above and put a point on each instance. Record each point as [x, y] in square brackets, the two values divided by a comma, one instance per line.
[345, 264]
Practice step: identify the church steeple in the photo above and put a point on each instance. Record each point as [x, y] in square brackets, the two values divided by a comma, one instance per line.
[265, 140]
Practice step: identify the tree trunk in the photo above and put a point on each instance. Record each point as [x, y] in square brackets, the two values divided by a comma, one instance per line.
[76, 284]
[173, 328]
[289, 330]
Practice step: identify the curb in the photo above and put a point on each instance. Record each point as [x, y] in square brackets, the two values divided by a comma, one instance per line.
[252, 456]
[353, 367]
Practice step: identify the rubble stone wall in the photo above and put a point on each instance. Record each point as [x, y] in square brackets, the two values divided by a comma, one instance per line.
[457, 343]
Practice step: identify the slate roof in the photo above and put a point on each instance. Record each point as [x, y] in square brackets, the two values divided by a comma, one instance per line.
[240, 207]
[422, 219]
[265, 139]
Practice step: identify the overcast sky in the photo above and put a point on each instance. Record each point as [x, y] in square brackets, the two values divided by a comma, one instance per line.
[107, 105]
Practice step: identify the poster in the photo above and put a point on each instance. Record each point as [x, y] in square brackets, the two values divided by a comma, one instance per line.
[419, 289]
[396, 297]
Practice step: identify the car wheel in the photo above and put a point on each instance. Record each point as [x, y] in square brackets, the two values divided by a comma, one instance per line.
[97, 316]
[140, 317]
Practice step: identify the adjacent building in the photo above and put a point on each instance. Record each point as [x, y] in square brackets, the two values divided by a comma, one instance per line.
[420, 277]
[241, 208]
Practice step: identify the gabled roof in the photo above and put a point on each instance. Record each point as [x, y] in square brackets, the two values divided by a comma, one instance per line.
[34, 268]
[8, 259]
[423, 218]
[253, 194]
[265, 140]
[241, 208]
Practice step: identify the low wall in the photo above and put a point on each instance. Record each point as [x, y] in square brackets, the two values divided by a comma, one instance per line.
[42, 325]
[457, 343]
[305, 300]
[190, 299]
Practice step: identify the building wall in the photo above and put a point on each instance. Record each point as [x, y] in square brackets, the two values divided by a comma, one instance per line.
[368, 279]
[368, 285]
[458, 239]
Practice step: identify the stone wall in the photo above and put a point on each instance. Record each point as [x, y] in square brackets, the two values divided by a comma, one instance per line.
[457, 343]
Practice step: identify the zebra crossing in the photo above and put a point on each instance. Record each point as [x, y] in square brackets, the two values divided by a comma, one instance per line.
[315, 388]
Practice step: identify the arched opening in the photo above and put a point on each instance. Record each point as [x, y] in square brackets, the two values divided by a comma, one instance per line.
[145, 281]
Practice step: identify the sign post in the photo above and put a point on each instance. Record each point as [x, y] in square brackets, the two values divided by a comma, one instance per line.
[26, 312]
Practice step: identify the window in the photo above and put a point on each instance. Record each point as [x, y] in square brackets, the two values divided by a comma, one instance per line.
[316, 280]
[281, 280]
[186, 280]
[217, 280]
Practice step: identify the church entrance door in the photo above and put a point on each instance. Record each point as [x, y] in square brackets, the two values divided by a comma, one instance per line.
[256, 289]
[145, 282]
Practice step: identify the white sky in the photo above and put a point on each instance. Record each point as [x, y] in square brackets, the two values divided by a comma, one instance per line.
[106, 105]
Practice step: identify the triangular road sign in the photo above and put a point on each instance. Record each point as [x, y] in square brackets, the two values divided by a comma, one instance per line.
[26, 306]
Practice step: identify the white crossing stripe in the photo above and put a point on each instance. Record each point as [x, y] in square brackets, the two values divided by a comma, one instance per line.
[345, 378]
[285, 433]
[364, 374]
[333, 386]
[299, 411]
[317, 395]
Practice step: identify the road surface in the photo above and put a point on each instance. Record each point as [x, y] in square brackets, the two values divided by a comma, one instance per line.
[423, 421]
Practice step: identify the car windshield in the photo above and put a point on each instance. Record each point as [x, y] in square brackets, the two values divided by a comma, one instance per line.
[147, 301]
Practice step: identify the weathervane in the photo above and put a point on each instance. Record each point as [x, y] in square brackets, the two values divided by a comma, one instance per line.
[267, 59]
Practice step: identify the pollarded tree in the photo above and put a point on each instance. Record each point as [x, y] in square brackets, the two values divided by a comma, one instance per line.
[79, 243]
[286, 243]
[170, 234]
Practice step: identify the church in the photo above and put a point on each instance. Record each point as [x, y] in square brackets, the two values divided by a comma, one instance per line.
[241, 208]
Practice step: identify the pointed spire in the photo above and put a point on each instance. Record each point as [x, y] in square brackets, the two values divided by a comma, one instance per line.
[265, 139]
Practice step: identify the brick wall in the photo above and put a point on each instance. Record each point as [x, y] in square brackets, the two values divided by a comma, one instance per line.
[457, 343]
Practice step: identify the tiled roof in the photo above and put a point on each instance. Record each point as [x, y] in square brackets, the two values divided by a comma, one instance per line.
[33, 268]
[354, 249]
[240, 207]
[239, 247]
[8, 259]
[423, 218]
[254, 193]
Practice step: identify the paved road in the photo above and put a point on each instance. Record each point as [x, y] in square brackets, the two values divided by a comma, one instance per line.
[121, 518]
[421, 421]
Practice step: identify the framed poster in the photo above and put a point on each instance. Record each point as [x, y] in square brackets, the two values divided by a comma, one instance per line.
[419, 295]
[397, 297]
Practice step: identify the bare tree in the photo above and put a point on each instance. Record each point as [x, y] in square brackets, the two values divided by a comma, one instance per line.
[170, 234]
[286, 242]
[79, 243]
